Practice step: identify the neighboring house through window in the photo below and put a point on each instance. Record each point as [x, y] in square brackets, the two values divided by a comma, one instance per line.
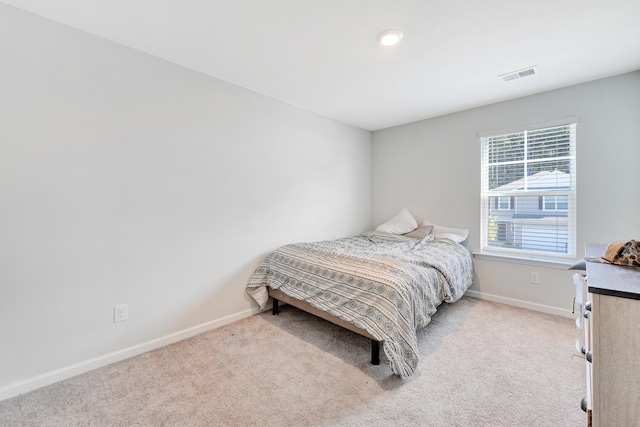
[504, 203]
[555, 203]
[529, 192]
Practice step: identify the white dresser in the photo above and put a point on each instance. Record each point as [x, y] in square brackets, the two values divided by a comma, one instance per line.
[612, 343]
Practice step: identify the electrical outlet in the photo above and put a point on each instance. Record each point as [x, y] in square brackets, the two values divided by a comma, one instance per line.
[535, 278]
[120, 313]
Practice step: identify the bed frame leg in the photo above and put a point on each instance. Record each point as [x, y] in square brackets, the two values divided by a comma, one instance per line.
[375, 352]
[275, 310]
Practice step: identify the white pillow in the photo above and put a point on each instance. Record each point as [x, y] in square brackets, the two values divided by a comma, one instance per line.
[402, 223]
[458, 235]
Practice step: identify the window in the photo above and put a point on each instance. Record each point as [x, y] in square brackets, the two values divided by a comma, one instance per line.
[555, 203]
[504, 203]
[503, 231]
[529, 192]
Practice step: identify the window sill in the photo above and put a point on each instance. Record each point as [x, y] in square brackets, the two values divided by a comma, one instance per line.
[538, 262]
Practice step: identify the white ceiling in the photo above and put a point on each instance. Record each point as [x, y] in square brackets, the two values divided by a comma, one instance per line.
[322, 54]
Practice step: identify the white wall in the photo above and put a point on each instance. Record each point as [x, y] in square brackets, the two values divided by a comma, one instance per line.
[127, 179]
[432, 167]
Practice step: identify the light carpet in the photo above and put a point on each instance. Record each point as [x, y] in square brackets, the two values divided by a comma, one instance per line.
[481, 364]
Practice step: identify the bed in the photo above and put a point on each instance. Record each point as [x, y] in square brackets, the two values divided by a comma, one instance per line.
[381, 285]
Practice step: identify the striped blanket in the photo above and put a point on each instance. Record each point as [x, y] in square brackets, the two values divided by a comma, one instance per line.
[386, 284]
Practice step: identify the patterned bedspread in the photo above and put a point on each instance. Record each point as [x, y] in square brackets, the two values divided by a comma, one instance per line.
[386, 284]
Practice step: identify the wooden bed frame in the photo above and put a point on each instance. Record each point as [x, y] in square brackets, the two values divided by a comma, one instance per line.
[278, 295]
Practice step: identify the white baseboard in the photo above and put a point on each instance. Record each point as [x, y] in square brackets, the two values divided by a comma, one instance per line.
[88, 365]
[520, 303]
[107, 359]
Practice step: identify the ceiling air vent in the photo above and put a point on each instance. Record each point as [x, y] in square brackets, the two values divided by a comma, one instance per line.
[525, 72]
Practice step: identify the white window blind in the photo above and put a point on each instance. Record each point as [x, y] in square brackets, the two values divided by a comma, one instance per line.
[529, 192]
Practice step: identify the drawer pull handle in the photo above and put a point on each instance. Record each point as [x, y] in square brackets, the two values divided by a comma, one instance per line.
[583, 350]
[583, 404]
[586, 314]
[589, 356]
[587, 305]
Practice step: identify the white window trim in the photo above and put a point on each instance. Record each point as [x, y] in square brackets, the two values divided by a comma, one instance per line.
[525, 126]
[520, 255]
[560, 264]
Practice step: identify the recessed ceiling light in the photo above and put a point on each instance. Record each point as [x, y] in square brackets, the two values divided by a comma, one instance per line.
[390, 37]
